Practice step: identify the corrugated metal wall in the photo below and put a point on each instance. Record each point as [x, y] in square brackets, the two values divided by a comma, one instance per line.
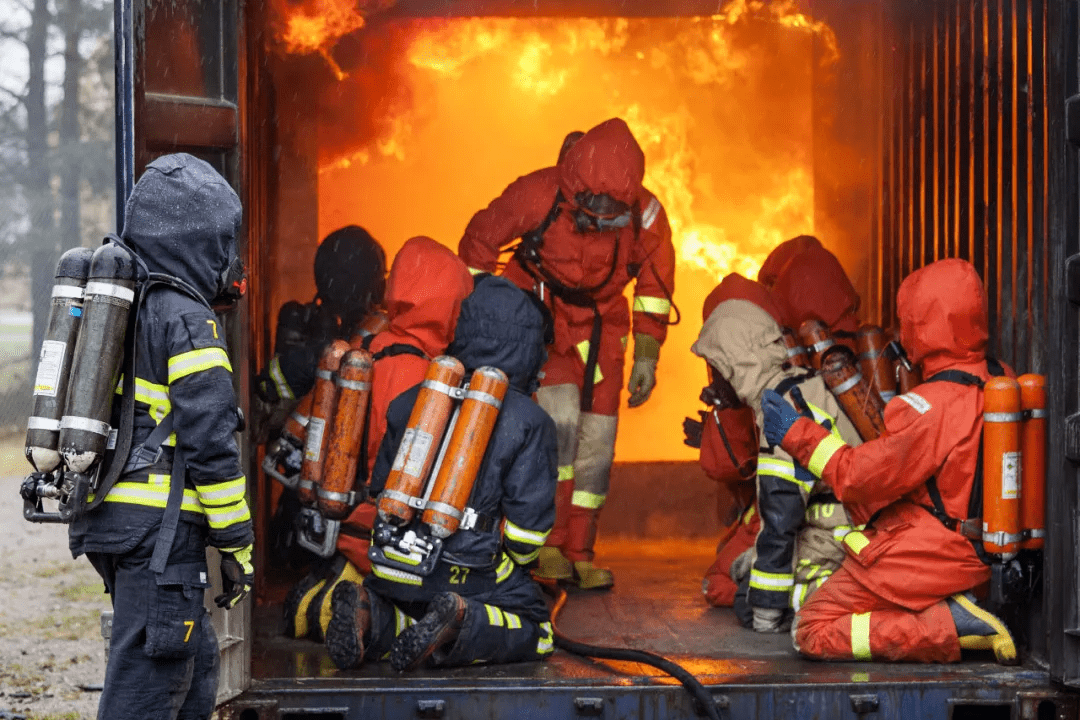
[963, 167]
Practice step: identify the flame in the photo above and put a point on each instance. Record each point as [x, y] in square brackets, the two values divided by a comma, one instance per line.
[459, 108]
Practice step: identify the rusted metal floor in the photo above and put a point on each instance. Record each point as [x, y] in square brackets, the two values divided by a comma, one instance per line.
[656, 605]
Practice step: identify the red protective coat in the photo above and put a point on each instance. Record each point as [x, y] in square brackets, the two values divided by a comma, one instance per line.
[607, 159]
[718, 586]
[423, 299]
[781, 254]
[812, 284]
[909, 562]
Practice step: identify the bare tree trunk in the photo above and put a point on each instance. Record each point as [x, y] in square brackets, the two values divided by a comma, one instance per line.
[38, 189]
[70, 134]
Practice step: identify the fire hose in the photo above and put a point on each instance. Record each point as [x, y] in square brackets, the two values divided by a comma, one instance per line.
[684, 676]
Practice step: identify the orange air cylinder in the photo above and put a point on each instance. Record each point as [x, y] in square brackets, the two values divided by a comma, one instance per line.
[861, 403]
[421, 440]
[459, 466]
[295, 430]
[372, 325]
[817, 339]
[346, 435]
[1001, 467]
[323, 403]
[1033, 461]
[796, 353]
[875, 366]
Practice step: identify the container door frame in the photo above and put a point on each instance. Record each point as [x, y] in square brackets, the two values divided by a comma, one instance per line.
[210, 125]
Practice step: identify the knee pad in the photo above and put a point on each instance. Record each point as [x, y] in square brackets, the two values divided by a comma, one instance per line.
[563, 404]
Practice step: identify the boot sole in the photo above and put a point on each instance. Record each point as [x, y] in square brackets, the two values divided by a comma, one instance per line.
[1001, 642]
[342, 639]
[417, 643]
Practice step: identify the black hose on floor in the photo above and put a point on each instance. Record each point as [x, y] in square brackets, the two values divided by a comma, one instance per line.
[684, 676]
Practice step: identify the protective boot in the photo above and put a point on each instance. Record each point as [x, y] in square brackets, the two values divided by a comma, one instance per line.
[321, 609]
[438, 628]
[349, 626]
[581, 535]
[552, 564]
[297, 603]
[978, 629]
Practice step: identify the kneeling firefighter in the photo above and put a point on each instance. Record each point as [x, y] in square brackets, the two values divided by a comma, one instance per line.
[471, 599]
[903, 592]
[182, 487]
[588, 228]
[802, 524]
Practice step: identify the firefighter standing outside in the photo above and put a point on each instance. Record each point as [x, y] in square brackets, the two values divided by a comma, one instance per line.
[182, 220]
[588, 229]
[901, 593]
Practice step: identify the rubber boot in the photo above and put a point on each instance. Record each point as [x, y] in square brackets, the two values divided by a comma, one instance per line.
[978, 629]
[438, 628]
[347, 632]
[581, 534]
[552, 564]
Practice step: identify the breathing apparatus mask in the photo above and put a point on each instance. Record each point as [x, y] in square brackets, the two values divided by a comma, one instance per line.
[599, 213]
[232, 285]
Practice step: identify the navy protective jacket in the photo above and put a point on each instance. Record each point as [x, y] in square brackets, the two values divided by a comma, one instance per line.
[182, 220]
[499, 326]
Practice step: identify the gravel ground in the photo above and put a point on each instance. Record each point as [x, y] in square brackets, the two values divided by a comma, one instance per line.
[52, 657]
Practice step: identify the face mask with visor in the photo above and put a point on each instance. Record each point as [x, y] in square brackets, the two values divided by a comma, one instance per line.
[599, 213]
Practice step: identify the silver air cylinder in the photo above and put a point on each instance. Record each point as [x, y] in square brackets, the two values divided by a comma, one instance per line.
[110, 290]
[54, 360]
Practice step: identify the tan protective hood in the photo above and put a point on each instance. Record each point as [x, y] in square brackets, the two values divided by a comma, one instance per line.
[745, 345]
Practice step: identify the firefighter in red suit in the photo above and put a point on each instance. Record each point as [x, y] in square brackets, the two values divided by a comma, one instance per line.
[588, 229]
[424, 292]
[728, 439]
[903, 592]
[807, 281]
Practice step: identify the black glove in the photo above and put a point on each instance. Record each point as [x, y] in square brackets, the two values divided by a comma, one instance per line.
[692, 430]
[237, 576]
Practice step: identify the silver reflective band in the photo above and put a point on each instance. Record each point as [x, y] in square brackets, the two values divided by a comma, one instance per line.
[847, 384]
[306, 485]
[1035, 413]
[484, 398]
[70, 422]
[454, 392]
[302, 420]
[111, 290]
[887, 395]
[1033, 534]
[67, 291]
[353, 384]
[403, 498]
[444, 509]
[1002, 417]
[797, 350]
[40, 423]
[1000, 538]
[824, 344]
[324, 375]
[869, 355]
[348, 498]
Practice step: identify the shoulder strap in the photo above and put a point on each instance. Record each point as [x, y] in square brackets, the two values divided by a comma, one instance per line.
[398, 349]
[787, 383]
[956, 376]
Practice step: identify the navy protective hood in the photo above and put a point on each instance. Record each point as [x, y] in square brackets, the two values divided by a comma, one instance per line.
[501, 327]
[182, 219]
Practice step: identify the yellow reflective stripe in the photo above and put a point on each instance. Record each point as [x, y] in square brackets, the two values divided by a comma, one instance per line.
[860, 636]
[395, 575]
[193, 361]
[401, 557]
[856, 541]
[223, 517]
[529, 537]
[476, 271]
[589, 500]
[513, 622]
[583, 351]
[566, 472]
[748, 516]
[840, 532]
[771, 581]
[402, 622]
[546, 643]
[300, 616]
[282, 385]
[505, 568]
[823, 454]
[524, 559]
[494, 615]
[784, 469]
[652, 305]
[153, 494]
[798, 595]
[223, 493]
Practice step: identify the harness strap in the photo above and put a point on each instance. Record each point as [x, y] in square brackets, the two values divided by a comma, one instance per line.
[396, 349]
[730, 451]
[171, 518]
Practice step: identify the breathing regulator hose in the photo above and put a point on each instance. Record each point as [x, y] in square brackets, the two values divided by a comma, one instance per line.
[684, 676]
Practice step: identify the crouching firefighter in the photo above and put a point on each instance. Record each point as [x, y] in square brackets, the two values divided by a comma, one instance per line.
[904, 589]
[144, 511]
[466, 501]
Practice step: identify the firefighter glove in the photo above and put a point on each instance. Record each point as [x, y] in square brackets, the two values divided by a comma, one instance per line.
[770, 620]
[692, 430]
[779, 417]
[642, 380]
[740, 566]
[237, 576]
